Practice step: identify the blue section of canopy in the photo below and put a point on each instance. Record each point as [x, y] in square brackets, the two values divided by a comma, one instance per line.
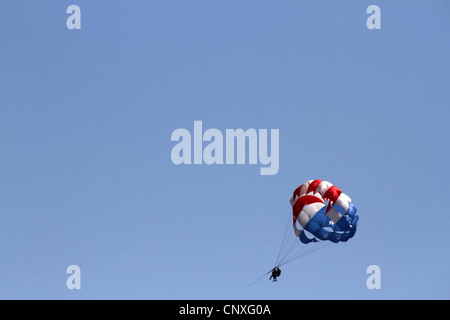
[323, 228]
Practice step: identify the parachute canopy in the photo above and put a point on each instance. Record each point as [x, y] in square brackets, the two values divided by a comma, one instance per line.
[322, 212]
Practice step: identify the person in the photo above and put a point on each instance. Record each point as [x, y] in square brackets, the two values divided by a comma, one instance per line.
[276, 272]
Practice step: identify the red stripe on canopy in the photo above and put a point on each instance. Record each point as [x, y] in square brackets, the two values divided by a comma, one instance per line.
[301, 202]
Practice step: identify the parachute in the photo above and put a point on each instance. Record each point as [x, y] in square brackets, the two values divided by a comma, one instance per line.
[321, 215]
[324, 211]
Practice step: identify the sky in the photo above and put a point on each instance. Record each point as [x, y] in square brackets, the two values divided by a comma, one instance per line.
[86, 176]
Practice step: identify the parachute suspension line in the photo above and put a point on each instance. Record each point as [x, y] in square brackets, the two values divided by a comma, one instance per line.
[312, 248]
[285, 238]
[292, 249]
[296, 248]
[293, 245]
[290, 243]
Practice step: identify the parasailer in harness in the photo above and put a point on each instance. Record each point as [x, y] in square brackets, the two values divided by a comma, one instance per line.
[276, 272]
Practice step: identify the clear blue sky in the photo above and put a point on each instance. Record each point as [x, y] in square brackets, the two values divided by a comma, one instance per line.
[86, 118]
